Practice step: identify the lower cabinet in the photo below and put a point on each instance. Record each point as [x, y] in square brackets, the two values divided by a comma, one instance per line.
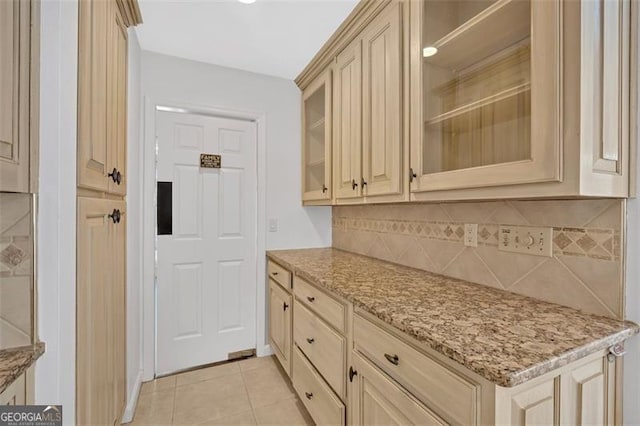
[377, 400]
[317, 396]
[100, 315]
[348, 366]
[280, 307]
[20, 392]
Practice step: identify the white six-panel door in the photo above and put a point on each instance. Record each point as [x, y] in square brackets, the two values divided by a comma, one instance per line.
[206, 270]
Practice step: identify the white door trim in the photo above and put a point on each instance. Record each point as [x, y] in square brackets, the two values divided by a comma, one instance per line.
[149, 222]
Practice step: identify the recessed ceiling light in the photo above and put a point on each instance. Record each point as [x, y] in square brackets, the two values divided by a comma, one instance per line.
[429, 51]
[247, 1]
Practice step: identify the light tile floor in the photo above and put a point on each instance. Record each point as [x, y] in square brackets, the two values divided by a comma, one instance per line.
[249, 392]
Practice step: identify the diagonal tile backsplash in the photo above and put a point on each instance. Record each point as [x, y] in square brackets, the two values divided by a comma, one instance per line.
[584, 272]
[16, 270]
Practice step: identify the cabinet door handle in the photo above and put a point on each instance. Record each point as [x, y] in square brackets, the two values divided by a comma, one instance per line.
[352, 373]
[412, 175]
[284, 306]
[310, 340]
[274, 273]
[115, 216]
[393, 359]
[311, 298]
[324, 189]
[309, 395]
[354, 185]
[363, 182]
[116, 176]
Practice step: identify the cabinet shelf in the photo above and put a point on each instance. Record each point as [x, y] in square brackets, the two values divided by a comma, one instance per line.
[506, 94]
[499, 26]
[317, 125]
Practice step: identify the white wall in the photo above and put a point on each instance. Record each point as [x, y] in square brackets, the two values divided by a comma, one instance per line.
[56, 239]
[166, 78]
[171, 81]
[134, 226]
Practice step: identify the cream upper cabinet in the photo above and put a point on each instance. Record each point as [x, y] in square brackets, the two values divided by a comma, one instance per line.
[486, 98]
[102, 68]
[519, 98]
[19, 60]
[347, 122]
[368, 143]
[316, 141]
[382, 104]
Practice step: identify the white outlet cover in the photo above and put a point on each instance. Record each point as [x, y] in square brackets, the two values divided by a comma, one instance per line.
[471, 234]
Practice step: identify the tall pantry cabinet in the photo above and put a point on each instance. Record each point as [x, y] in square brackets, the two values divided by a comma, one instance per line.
[101, 179]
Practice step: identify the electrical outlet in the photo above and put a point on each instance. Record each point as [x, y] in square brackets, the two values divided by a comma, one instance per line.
[525, 239]
[273, 225]
[471, 234]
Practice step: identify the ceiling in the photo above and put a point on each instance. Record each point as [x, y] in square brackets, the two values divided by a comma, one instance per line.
[273, 37]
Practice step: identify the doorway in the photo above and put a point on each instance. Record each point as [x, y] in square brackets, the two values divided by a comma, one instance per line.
[206, 242]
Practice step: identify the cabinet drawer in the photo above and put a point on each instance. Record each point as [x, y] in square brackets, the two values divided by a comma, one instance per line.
[325, 348]
[315, 394]
[318, 301]
[279, 274]
[450, 394]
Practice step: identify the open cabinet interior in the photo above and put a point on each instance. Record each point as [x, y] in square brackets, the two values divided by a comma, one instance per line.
[477, 83]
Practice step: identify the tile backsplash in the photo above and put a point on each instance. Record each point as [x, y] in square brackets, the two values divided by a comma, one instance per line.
[16, 269]
[585, 271]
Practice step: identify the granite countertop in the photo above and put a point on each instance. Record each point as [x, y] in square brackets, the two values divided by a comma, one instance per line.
[15, 361]
[504, 337]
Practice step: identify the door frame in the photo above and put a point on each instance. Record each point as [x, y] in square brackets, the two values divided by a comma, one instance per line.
[151, 106]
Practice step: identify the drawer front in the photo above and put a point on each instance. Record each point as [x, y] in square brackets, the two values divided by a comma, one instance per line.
[320, 302]
[279, 274]
[315, 394]
[325, 348]
[450, 394]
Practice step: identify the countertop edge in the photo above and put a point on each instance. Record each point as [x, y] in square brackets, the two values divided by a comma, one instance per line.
[9, 374]
[507, 380]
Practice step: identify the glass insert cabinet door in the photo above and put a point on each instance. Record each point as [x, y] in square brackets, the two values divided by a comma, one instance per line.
[316, 140]
[486, 108]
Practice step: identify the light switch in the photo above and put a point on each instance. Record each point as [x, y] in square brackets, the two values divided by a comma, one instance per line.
[526, 239]
[273, 225]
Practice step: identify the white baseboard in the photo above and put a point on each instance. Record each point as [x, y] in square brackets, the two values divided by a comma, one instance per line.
[130, 409]
[264, 351]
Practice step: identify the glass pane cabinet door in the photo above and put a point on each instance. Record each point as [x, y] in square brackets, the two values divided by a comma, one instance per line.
[317, 140]
[478, 107]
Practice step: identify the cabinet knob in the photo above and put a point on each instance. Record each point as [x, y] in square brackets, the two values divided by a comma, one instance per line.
[116, 176]
[412, 175]
[363, 183]
[274, 273]
[115, 216]
[324, 189]
[352, 373]
[284, 306]
[309, 395]
[393, 359]
[311, 298]
[310, 340]
[354, 185]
